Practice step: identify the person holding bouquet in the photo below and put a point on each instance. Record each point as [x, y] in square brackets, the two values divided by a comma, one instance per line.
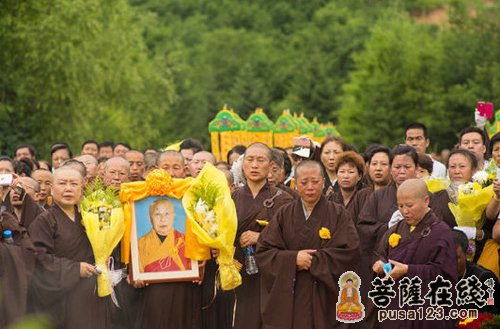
[64, 283]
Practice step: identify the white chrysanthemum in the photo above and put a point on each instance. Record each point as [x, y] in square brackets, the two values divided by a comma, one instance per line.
[465, 188]
[201, 207]
[481, 177]
[237, 171]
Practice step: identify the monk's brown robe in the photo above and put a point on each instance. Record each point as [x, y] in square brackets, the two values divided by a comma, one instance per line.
[305, 299]
[267, 202]
[378, 210]
[57, 288]
[428, 251]
[354, 203]
[17, 263]
[217, 306]
[171, 305]
[439, 204]
[358, 202]
[30, 210]
[287, 189]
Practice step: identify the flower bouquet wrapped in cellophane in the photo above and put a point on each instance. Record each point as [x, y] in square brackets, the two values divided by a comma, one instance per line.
[212, 216]
[437, 184]
[472, 200]
[102, 217]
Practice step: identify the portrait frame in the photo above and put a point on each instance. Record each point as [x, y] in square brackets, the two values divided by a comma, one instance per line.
[160, 269]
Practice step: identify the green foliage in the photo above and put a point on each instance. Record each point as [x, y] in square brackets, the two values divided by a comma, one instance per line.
[149, 72]
[414, 72]
[74, 70]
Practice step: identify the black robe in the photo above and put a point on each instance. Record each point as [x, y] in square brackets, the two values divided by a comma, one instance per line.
[305, 299]
[428, 251]
[248, 209]
[57, 289]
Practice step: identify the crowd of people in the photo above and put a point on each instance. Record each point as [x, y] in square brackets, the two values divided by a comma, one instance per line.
[311, 212]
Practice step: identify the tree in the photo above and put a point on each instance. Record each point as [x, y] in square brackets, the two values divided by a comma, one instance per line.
[74, 70]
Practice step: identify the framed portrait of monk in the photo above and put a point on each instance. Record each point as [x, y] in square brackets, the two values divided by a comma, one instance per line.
[158, 241]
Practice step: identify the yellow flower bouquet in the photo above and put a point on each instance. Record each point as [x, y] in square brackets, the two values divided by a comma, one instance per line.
[102, 217]
[472, 200]
[211, 215]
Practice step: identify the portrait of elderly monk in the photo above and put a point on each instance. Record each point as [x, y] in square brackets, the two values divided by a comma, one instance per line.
[162, 249]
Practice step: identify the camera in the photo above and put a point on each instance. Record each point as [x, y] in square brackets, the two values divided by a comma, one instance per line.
[6, 179]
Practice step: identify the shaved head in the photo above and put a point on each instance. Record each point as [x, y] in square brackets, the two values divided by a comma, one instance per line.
[415, 187]
[168, 154]
[116, 161]
[413, 200]
[308, 164]
[116, 172]
[87, 159]
[261, 146]
[62, 171]
[31, 182]
[209, 157]
[199, 160]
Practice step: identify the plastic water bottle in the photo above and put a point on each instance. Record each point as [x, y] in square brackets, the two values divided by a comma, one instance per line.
[250, 264]
[7, 237]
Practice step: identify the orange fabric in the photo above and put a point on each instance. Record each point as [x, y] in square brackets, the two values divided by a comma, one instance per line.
[158, 183]
[489, 257]
[194, 249]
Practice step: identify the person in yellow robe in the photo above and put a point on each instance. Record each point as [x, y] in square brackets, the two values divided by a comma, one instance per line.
[349, 298]
[162, 248]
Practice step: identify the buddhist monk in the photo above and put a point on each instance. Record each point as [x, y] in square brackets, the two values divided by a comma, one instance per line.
[172, 162]
[377, 212]
[302, 253]
[136, 161]
[198, 161]
[22, 199]
[64, 283]
[420, 246]
[17, 263]
[256, 200]
[162, 249]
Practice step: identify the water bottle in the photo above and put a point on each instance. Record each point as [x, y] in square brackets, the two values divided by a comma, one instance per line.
[7, 237]
[250, 264]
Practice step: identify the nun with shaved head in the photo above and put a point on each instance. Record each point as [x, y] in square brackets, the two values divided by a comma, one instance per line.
[64, 282]
[419, 248]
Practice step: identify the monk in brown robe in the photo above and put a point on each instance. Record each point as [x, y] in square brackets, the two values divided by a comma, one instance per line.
[64, 283]
[303, 252]
[22, 199]
[17, 262]
[379, 173]
[257, 200]
[421, 246]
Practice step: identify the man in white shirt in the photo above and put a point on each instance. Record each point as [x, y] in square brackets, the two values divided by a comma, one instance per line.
[416, 136]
